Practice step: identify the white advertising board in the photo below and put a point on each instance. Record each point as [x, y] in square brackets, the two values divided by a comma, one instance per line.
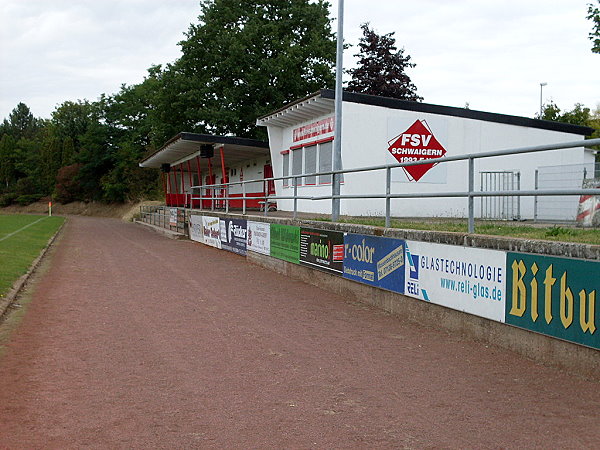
[211, 231]
[173, 217]
[196, 233]
[468, 279]
[259, 237]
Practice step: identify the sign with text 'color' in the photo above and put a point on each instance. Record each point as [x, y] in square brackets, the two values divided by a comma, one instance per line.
[373, 260]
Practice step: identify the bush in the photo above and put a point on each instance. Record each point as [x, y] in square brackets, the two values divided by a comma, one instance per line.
[7, 199]
[25, 200]
[68, 188]
[26, 186]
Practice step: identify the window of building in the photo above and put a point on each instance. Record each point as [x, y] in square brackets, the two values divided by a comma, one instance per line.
[286, 168]
[310, 164]
[297, 165]
[325, 161]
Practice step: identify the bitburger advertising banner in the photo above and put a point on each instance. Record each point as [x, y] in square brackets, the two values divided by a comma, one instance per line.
[468, 279]
[233, 235]
[196, 233]
[322, 249]
[373, 260]
[554, 296]
[285, 242]
[212, 231]
[259, 237]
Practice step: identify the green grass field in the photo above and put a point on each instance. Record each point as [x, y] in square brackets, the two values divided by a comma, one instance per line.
[22, 238]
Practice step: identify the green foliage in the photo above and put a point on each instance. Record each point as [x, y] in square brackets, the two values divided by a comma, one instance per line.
[25, 200]
[382, 68]
[21, 123]
[240, 60]
[68, 188]
[8, 169]
[245, 58]
[594, 16]
[7, 199]
[26, 186]
[579, 115]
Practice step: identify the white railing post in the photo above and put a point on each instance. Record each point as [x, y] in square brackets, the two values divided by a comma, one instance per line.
[471, 198]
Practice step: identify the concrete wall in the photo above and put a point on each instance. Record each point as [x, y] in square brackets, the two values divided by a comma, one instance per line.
[545, 349]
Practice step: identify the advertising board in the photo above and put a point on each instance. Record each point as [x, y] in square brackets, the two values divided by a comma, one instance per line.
[259, 237]
[285, 242]
[233, 235]
[173, 217]
[468, 279]
[554, 296]
[322, 249]
[196, 233]
[212, 231]
[373, 260]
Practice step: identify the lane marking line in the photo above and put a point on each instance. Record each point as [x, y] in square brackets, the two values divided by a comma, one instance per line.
[21, 229]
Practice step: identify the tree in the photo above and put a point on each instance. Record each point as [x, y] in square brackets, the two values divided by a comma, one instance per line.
[382, 68]
[21, 123]
[594, 16]
[72, 119]
[247, 57]
[579, 115]
[7, 160]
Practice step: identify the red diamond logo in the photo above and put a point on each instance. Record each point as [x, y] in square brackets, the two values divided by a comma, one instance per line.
[416, 144]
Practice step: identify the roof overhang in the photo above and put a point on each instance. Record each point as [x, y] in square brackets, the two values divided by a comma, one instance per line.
[322, 102]
[302, 110]
[186, 146]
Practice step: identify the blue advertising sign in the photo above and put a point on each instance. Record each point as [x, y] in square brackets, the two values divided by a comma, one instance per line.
[233, 235]
[373, 260]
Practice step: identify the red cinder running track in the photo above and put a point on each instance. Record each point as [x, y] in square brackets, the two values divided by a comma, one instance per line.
[133, 340]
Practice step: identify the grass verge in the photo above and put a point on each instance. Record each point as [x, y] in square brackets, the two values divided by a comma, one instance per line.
[548, 233]
[22, 238]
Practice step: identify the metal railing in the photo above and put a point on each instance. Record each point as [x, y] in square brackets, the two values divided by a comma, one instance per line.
[196, 192]
[162, 216]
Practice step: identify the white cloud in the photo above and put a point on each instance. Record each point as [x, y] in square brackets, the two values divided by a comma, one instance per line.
[490, 54]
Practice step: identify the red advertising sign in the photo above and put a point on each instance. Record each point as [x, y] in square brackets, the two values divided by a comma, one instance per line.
[416, 144]
[314, 129]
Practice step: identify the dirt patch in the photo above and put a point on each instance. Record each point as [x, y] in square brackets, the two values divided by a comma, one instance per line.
[125, 211]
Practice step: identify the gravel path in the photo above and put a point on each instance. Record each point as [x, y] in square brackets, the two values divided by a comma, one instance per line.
[133, 340]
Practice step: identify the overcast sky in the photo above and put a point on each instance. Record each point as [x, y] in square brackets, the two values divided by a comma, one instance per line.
[490, 54]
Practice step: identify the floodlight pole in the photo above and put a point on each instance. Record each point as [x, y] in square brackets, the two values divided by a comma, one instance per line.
[541, 102]
[337, 140]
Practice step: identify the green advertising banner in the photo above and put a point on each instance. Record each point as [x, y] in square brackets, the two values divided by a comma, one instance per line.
[554, 296]
[285, 242]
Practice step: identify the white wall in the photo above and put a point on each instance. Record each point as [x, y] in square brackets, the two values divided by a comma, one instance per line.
[366, 131]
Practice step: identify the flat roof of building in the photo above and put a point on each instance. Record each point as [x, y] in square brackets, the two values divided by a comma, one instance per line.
[322, 102]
